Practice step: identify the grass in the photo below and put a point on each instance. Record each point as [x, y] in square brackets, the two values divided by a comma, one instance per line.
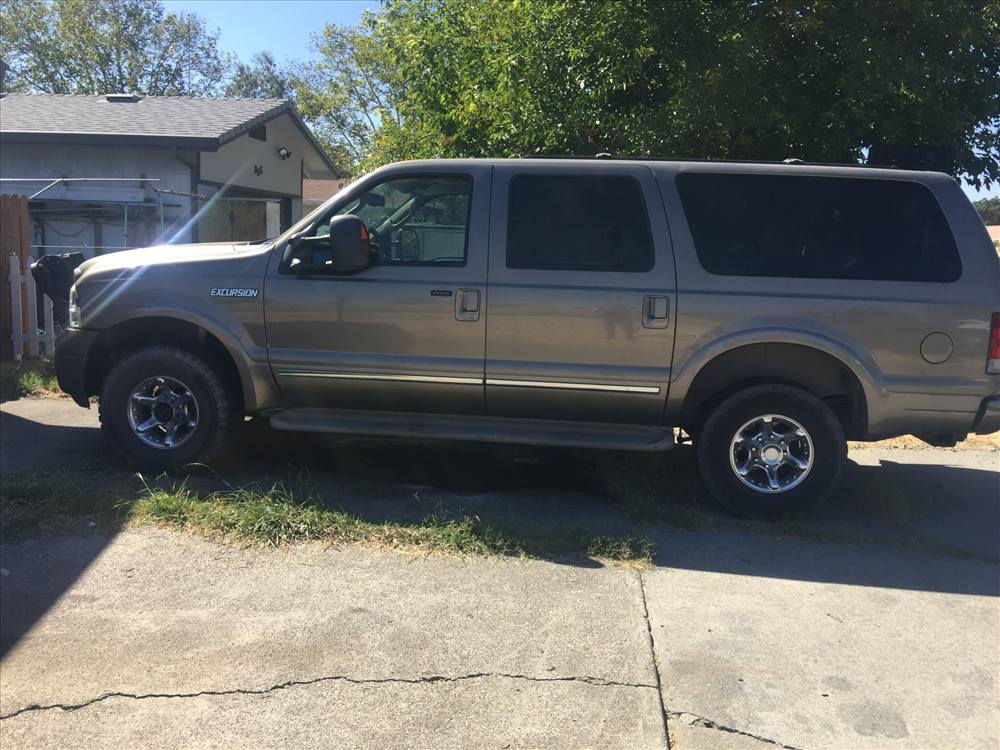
[280, 515]
[650, 490]
[24, 379]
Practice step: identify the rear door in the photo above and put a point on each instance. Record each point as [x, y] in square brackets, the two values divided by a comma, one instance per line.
[581, 293]
[407, 333]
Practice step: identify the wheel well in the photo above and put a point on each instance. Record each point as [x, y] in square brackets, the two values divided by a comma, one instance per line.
[819, 373]
[117, 341]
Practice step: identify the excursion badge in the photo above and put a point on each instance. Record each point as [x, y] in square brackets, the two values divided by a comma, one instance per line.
[232, 292]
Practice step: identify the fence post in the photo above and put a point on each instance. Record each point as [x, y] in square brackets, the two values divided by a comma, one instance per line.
[14, 264]
[32, 302]
[50, 327]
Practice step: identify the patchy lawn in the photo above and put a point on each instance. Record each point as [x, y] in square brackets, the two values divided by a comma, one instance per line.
[278, 515]
[257, 506]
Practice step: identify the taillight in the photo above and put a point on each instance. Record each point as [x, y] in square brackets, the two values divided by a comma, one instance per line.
[993, 358]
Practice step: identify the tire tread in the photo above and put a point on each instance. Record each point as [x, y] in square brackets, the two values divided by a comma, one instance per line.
[218, 435]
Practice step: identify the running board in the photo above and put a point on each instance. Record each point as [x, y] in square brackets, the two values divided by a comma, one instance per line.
[484, 429]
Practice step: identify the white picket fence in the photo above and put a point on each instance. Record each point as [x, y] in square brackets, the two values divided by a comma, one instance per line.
[27, 339]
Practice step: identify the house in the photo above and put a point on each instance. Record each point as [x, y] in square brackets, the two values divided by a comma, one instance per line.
[994, 232]
[104, 173]
[317, 192]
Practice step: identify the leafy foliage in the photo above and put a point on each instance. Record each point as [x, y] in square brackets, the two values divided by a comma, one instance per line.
[262, 78]
[989, 210]
[351, 96]
[822, 81]
[87, 47]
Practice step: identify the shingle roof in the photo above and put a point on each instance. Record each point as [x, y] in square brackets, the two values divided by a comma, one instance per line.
[187, 121]
[151, 117]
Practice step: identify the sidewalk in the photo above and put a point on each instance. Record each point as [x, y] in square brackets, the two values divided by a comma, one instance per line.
[167, 640]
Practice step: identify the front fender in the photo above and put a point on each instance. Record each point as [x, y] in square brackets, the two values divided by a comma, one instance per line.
[250, 358]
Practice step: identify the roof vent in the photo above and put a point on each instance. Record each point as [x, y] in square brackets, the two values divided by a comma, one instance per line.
[122, 97]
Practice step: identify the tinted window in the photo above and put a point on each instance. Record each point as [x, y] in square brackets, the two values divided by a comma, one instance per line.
[578, 223]
[818, 227]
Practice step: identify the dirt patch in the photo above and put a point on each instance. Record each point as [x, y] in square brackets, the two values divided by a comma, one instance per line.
[989, 442]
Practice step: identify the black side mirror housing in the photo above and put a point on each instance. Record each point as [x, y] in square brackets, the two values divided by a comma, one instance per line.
[350, 248]
[347, 248]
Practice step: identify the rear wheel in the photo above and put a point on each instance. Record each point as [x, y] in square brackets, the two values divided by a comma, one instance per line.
[771, 451]
[163, 408]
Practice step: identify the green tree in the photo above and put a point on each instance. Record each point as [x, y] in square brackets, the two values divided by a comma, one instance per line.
[351, 98]
[825, 80]
[989, 210]
[261, 78]
[88, 47]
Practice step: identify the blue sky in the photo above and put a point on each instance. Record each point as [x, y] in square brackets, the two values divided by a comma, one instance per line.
[283, 29]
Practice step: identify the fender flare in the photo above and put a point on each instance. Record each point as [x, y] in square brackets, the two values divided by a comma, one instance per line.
[249, 370]
[863, 366]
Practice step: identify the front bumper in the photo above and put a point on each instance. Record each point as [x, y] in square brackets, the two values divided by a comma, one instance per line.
[988, 416]
[72, 348]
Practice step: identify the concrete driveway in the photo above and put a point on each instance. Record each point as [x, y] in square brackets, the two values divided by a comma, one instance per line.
[734, 638]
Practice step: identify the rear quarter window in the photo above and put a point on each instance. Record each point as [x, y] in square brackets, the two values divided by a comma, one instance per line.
[818, 227]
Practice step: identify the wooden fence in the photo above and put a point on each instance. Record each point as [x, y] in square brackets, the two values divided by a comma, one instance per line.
[15, 239]
[18, 297]
[26, 335]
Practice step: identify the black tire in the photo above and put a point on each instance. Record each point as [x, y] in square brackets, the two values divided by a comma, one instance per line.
[214, 408]
[714, 445]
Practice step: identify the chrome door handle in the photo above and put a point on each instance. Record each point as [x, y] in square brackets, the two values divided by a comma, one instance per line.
[655, 311]
[467, 305]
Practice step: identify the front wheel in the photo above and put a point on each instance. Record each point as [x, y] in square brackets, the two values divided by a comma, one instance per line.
[163, 408]
[771, 451]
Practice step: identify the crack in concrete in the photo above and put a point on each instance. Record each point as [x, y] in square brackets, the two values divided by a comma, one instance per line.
[430, 679]
[652, 655]
[694, 720]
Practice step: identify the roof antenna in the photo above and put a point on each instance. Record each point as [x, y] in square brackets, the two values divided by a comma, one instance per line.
[792, 161]
[603, 155]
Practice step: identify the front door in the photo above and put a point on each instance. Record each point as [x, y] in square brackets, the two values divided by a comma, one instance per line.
[407, 333]
[581, 293]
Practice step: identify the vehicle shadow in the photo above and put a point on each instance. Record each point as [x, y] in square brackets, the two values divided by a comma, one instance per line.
[32, 580]
[896, 523]
[893, 524]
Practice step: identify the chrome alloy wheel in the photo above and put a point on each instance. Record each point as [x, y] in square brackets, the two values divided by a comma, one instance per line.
[163, 412]
[771, 454]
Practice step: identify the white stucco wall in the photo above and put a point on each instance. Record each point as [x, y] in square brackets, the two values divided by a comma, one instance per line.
[234, 164]
[31, 160]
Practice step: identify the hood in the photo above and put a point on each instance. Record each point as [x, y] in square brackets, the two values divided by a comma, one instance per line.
[121, 263]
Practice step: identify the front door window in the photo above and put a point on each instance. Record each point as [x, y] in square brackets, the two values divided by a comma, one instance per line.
[415, 220]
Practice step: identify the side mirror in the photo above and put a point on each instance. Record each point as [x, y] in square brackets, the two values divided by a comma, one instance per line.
[350, 247]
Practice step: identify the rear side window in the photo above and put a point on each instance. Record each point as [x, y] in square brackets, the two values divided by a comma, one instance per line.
[818, 227]
[579, 223]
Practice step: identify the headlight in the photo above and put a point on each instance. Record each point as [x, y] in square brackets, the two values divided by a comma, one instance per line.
[74, 309]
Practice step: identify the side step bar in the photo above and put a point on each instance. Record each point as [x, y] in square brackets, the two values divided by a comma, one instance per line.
[485, 429]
